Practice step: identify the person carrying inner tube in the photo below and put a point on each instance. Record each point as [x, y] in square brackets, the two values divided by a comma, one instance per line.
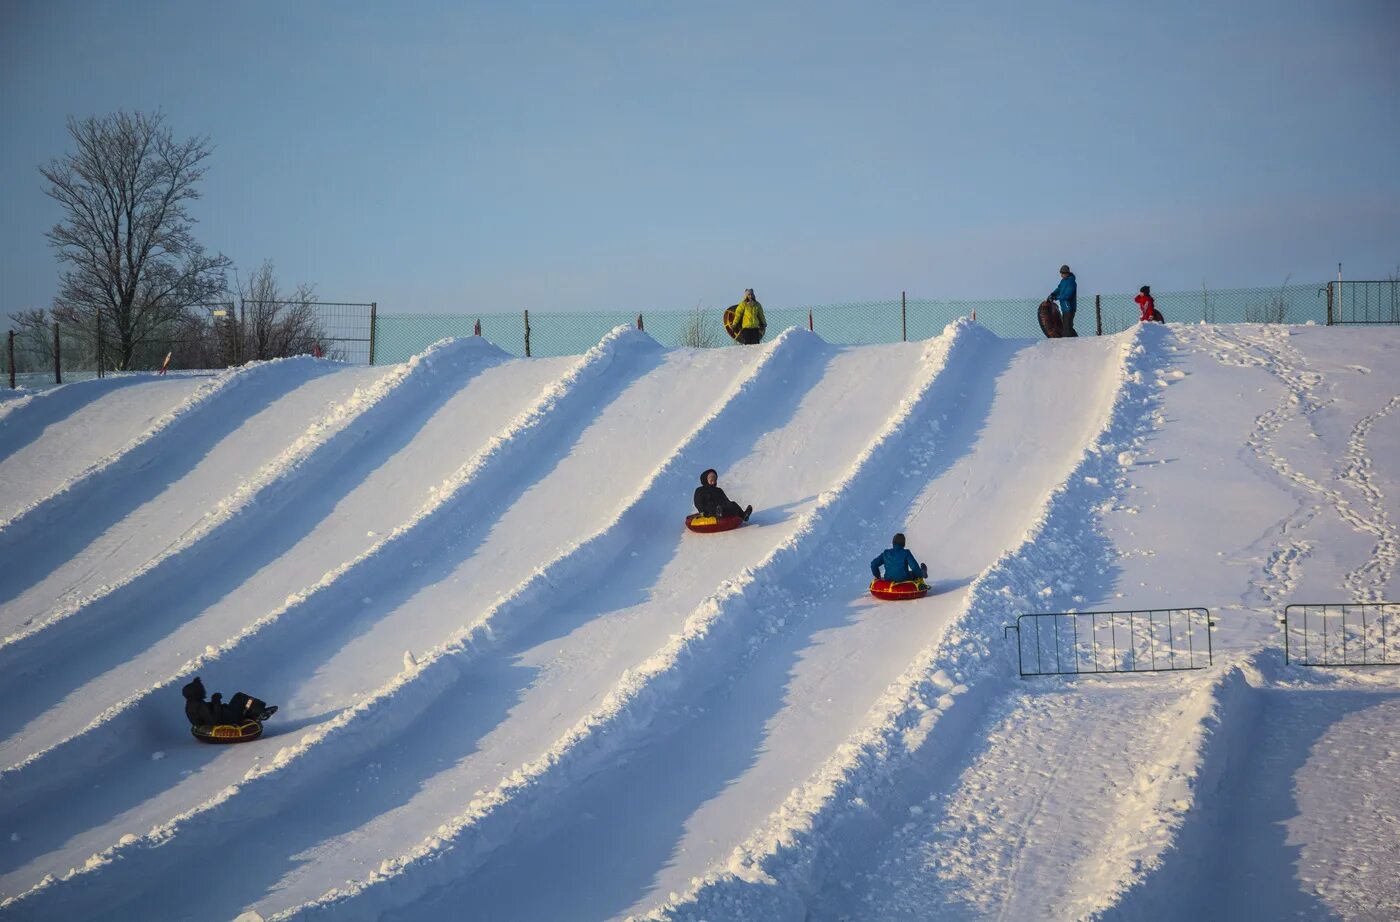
[1067, 294]
[900, 565]
[748, 317]
[710, 499]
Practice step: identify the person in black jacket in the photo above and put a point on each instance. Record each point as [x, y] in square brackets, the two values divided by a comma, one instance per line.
[710, 499]
[213, 712]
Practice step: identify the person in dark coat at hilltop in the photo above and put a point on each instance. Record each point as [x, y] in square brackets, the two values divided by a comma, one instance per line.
[1067, 294]
[900, 565]
[710, 499]
[213, 712]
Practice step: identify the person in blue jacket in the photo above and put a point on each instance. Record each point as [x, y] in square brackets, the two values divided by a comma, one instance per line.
[1065, 293]
[900, 565]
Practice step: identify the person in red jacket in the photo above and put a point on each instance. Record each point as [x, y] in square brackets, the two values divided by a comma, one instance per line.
[1147, 305]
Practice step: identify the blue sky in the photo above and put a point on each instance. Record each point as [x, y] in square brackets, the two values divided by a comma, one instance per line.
[568, 155]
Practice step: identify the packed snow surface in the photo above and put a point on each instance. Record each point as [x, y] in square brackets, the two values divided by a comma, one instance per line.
[513, 686]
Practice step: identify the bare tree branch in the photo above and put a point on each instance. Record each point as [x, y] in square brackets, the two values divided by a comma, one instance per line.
[134, 265]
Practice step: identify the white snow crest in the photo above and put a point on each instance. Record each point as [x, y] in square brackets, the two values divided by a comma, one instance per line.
[280, 468]
[784, 851]
[422, 680]
[725, 616]
[201, 395]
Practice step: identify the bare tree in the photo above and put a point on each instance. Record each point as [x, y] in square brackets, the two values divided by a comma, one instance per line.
[33, 340]
[275, 324]
[700, 330]
[1275, 311]
[134, 265]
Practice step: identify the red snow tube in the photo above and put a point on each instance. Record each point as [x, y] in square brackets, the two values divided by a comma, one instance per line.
[896, 592]
[244, 732]
[708, 523]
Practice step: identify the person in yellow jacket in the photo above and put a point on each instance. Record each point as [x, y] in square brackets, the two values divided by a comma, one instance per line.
[748, 317]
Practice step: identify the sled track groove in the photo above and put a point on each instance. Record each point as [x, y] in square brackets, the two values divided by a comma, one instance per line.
[770, 873]
[400, 701]
[195, 401]
[463, 842]
[272, 477]
[496, 452]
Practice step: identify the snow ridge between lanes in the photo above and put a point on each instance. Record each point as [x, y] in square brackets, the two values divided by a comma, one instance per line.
[769, 874]
[715, 626]
[372, 712]
[208, 390]
[403, 698]
[277, 470]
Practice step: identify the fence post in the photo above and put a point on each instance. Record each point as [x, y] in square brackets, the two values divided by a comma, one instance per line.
[527, 334]
[810, 325]
[12, 360]
[476, 330]
[99, 342]
[373, 325]
[903, 317]
[1329, 304]
[57, 359]
[1098, 314]
[639, 322]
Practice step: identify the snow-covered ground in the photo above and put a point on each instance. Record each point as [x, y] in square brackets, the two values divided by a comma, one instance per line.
[512, 686]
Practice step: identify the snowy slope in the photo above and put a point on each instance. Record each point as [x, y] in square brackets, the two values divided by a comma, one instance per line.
[510, 680]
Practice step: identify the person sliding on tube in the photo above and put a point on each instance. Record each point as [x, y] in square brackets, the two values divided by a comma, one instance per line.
[240, 707]
[900, 565]
[748, 316]
[710, 499]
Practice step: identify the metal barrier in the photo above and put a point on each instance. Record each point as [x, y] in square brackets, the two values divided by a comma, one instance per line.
[1099, 642]
[1363, 302]
[1342, 634]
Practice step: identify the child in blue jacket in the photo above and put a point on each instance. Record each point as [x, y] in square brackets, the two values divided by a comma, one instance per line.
[900, 565]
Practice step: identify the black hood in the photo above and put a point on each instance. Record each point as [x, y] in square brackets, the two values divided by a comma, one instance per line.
[706, 473]
[194, 691]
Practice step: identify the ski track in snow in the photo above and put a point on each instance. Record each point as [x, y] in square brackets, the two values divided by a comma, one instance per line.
[961, 793]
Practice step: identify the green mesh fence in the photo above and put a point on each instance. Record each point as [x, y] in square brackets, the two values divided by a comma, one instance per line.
[400, 336]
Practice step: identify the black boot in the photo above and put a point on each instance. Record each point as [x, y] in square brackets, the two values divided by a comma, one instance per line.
[748, 511]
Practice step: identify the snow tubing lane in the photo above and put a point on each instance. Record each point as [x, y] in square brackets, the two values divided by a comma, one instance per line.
[245, 732]
[704, 524]
[898, 592]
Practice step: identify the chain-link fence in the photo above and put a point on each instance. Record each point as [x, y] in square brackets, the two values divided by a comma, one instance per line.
[219, 335]
[41, 351]
[400, 336]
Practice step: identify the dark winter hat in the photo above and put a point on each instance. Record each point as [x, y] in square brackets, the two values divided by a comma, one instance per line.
[194, 691]
[1146, 289]
[1064, 270]
[898, 539]
[705, 475]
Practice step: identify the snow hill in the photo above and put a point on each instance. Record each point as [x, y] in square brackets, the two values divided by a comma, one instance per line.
[512, 686]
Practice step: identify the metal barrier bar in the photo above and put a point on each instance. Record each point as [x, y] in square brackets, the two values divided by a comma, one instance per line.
[1333, 626]
[1159, 640]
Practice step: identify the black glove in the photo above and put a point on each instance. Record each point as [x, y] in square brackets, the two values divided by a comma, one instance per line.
[216, 698]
